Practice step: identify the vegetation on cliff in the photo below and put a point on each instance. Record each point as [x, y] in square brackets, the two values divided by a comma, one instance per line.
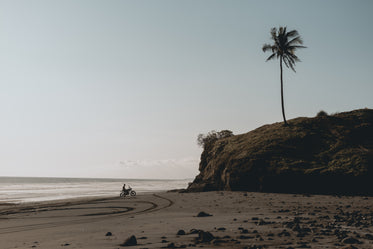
[325, 154]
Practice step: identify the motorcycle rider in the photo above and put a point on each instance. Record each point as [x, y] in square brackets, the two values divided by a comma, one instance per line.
[127, 191]
[124, 189]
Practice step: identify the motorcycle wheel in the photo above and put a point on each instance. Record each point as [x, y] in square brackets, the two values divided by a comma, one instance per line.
[133, 193]
[121, 194]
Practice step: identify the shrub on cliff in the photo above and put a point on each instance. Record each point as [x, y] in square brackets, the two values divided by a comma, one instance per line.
[208, 139]
[322, 114]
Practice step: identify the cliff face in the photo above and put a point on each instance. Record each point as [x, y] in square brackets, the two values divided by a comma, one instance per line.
[327, 154]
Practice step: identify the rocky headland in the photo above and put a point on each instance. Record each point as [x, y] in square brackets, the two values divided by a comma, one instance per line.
[327, 154]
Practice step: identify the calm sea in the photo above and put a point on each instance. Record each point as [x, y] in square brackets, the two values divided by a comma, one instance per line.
[30, 189]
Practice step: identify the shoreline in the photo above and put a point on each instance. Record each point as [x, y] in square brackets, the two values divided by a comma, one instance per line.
[71, 200]
[28, 189]
[171, 220]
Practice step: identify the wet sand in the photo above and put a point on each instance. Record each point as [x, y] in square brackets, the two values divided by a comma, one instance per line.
[170, 220]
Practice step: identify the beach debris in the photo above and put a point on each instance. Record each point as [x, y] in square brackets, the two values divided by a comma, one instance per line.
[351, 240]
[108, 234]
[194, 231]
[284, 233]
[203, 214]
[204, 237]
[171, 245]
[131, 241]
[235, 241]
[262, 222]
[368, 236]
[181, 232]
[245, 237]
[304, 246]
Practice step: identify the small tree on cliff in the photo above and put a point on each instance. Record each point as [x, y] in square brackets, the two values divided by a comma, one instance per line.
[208, 139]
[284, 47]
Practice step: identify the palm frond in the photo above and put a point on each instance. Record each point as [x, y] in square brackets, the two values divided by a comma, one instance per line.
[286, 61]
[296, 40]
[289, 62]
[295, 47]
[284, 46]
[266, 47]
[290, 58]
[273, 33]
[295, 58]
[271, 57]
[292, 33]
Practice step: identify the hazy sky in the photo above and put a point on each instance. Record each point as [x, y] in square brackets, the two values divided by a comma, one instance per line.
[123, 88]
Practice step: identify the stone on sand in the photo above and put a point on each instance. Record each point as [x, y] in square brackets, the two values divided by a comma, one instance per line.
[205, 237]
[131, 241]
[203, 214]
[350, 240]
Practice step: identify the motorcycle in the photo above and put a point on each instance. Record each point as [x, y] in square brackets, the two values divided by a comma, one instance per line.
[128, 191]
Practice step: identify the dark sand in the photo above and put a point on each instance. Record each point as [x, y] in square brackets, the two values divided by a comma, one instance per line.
[238, 220]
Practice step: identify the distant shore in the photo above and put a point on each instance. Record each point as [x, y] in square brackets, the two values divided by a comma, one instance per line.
[189, 220]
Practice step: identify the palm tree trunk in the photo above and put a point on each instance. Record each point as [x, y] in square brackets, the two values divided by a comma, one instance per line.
[282, 94]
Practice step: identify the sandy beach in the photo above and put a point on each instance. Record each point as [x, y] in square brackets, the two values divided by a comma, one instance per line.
[189, 220]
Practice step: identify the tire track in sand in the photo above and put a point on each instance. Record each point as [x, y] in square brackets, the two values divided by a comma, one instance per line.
[153, 207]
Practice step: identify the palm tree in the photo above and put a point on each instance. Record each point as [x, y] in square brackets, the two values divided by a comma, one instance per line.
[284, 47]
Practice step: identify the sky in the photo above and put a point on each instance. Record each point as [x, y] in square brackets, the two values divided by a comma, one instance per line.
[122, 89]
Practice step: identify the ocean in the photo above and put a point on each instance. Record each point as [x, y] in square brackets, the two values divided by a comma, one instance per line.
[32, 189]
